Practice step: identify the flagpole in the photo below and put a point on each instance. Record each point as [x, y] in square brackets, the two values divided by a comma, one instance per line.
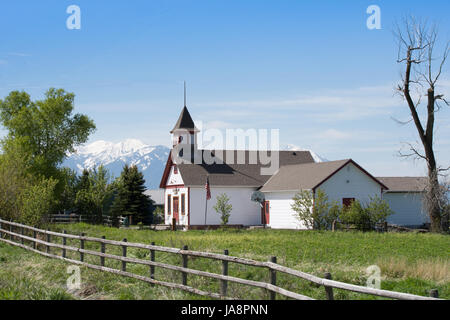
[206, 197]
[206, 208]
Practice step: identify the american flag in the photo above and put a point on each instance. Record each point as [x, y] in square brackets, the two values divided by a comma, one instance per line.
[208, 190]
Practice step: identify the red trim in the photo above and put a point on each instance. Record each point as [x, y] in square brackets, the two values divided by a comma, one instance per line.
[168, 204]
[356, 165]
[166, 173]
[189, 207]
[174, 186]
[183, 204]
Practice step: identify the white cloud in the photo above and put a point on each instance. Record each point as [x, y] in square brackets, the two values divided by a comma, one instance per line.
[333, 134]
[19, 54]
[324, 105]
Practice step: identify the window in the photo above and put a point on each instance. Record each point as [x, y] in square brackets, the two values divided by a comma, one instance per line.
[169, 205]
[175, 170]
[183, 206]
[347, 202]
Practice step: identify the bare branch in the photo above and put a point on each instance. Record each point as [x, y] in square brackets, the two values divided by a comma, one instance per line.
[413, 152]
[401, 122]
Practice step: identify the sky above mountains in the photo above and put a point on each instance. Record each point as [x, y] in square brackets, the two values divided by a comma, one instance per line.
[309, 68]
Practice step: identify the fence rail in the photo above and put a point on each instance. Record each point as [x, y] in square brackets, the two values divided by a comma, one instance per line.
[184, 253]
[75, 218]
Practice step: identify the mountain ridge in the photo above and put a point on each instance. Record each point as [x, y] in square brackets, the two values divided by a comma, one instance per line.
[151, 160]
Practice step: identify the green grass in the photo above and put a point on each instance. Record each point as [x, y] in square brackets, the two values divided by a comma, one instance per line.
[409, 262]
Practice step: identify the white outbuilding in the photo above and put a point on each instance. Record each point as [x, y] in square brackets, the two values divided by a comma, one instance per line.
[405, 197]
[343, 181]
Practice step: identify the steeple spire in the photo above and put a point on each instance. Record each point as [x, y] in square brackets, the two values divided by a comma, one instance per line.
[185, 94]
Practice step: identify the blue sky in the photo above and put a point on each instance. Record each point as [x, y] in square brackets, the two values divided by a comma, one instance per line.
[309, 68]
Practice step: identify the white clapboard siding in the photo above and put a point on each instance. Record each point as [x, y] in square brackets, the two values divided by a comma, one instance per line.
[351, 182]
[407, 207]
[281, 214]
[245, 212]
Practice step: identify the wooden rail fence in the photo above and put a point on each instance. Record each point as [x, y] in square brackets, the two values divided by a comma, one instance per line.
[17, 235]
[75, 218]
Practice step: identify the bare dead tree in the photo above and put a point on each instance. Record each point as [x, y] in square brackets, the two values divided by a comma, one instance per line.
[417, 43]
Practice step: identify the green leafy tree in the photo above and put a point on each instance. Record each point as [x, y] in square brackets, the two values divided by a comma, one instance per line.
[223, 207]
[43, 131]
[94, 193]
[314, 210]
[36, 201]
[23, 197]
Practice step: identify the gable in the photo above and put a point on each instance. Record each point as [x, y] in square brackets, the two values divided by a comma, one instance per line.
[174, 178]
[350, 178]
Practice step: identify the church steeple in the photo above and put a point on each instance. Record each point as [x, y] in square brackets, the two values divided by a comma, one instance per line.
[184, 132]
[184, 122]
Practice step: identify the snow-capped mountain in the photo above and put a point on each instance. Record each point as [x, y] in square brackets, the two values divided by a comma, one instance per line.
[316, 157]
[151, 160]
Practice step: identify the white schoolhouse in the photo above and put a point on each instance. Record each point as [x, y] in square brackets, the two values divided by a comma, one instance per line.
[186, 172]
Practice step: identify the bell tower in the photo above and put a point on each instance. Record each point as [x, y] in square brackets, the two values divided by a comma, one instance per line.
[184, 132]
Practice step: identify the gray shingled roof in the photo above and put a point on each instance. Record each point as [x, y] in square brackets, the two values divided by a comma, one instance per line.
[184, 121]
[236, 174]
[404, 184]
[302, 176]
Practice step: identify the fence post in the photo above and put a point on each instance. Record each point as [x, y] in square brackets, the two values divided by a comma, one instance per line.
[64, 242]
[48, 240]
[1, 233]
[174, 224]
[152, 258]
[224, 283]
[82, 247]
[102, 250]
[124, 254]
[184, 259]
[328, 290]
[434, 293]
[10, 230]
[273, 278]
[22, 232]
[34, 243]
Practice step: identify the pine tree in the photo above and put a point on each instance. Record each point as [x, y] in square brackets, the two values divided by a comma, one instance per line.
[130, 199]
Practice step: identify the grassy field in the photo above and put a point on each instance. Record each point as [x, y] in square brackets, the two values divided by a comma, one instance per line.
[411, 263]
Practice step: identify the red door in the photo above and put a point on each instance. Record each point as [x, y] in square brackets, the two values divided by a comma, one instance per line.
[175, 208]
[265, 210]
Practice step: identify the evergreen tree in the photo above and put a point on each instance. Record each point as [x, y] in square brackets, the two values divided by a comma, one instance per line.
[130, 199]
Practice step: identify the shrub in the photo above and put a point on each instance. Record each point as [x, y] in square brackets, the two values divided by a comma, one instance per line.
[366, 217]
[223, 207]
[158, 216]
[36, 202]
[315, 213]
